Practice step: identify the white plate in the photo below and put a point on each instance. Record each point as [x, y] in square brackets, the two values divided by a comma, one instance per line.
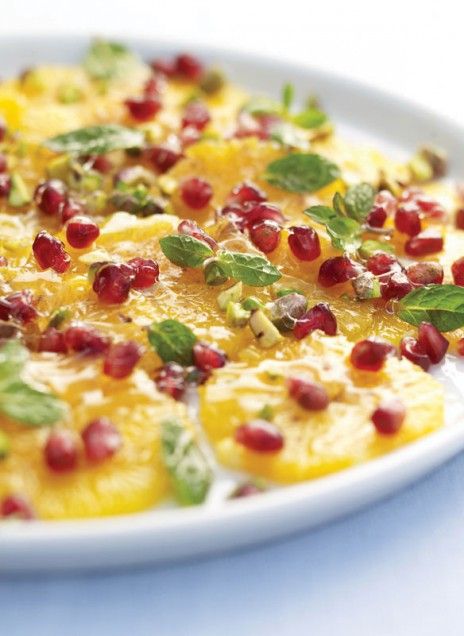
[360, 112]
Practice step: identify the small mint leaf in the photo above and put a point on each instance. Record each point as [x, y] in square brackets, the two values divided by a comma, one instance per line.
[251, 269]
[173, 341]
[185, 250]
[442, 305]
[300, 172]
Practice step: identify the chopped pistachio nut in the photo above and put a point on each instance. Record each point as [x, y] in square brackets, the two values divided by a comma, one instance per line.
[266, 333]
[19, 193]
[437, 159]
[167, 184]
[69, 94]
[251, 302]
[212, 81]
[58, 318]
[59, 168]
[370, 247]
[366, 286]
[232, 294]
[285, 291]
[236, 316]
[266, 413]
[213, 273]
[420, 168]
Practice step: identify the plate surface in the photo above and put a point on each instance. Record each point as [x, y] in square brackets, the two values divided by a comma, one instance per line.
[361, 113]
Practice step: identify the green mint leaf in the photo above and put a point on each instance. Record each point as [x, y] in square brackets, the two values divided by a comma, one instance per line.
[188, 469]
[96, 140]
[300, 172]
[13, 357]
[27, 405]
[288, 95]
[338, 204]
[321, 213]
[184, 250]
[310, 118]
[442, 305]
[359, 200]
[108, 60]
[173, 341]
[344, 232]
[251, 269]
[371, 246]
[262, 105]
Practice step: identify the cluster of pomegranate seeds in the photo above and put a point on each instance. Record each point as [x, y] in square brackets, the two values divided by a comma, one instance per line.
[144, 108]
[112, 283]
[395, 286]
[206, 357]
[427, 242]
[338, 269]
[15, 506]
[18, 306]
[196, 193]
[163, 158]
[53, 341]
[81, 232]
[49, 252]
[146, 272]
[5, 185]
[309, 395]
[407, 220]
[259, 436]
[304, 243]
[49, 196]
[171, 380]
[84, 339]
[459, 221]
[191, 228]
[61, 452]
[246, 192]
[370, 355]
[412, 350]
[318, 317]
[121, 358]
[428, 207]
[383, 263]
[265, 235]
[196, 115]
[101, 440]
[457, 270]
[433, 342]
[425, 274]
[389, 416]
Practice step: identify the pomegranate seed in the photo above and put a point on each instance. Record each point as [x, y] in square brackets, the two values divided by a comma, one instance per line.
[461, 347]
[382, 263]
[407, 220]
[143, 108]
[188, 136]
[84, 339]
[196, 193]
[428, 206]
[196, 115]
[369, 355]
[265, 235]
[171, 380]
[309, 395]
[389, 416]
[426, 273]
[50, 196]
[49, 252]
[154, 85]
[162, 158]
[81, 232]
[246, 490]
[112, 283]
[207, 357]
[101, 439]
[428, 242]
[69, 209]
[5, 185]
[165, 67]
[3, 163]
[385, 199]
[460, 219]
[415, 352]
[259, 436]
[318, 317]
[304, 243]
[61, 451]
[262, 212]
[16, 507]
[3, 130]
[146, 272]
[53, 340]
[457, 269]
[337, 270]
[191, 228]
[189, 67]
[121, 359]
[434, 343]
[395, 286]
[376, 217]
[246, 192]
[101, 164]
[18, 306]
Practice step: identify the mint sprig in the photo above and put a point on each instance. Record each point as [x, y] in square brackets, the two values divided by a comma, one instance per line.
[300, 172]
[442, 305]
[359, 200]
[251, 269]
[108, 60]
[185, 250]
[96, 140]
[345, 233]
[173, 341]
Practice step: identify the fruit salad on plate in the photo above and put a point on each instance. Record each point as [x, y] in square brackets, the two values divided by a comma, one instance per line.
[196, 282]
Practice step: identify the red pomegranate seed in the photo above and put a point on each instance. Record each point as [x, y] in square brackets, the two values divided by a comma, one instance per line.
[84, 339]
[101, 164]
[265, 235]
[121, 359]
[433, 342]
[61, 451]
[385, 199]
[3, 130]
[309, 395]
[461, 347]
[246, 192]
[457, 269]
[369, 355]
[49, 196]
[69, 209]
[428, 242]
[49, 252]
[18, 306]
[246, 490]
[188, 136]
[53, 340]
[81, 232]
[376, 217]
[304, 243]
[3, 163]
[154, 85]
[389, 416]
[395, 286]
[426, 273]
[460, 219]
[165, 67]
[207, 357]
[415, 352]
[407, 220]
[191, 228]
[337, 270]
[146, 272]
[318, 317]
[171, 380]
[143, 108]
[17, 507]
[428, 206]
[196, 193]
[5, 185]
[112, 283]
[101, 439]
[189, 67]
[162, 158]
[196, 115]
[262, 212]
[382, 263]
[259, 436]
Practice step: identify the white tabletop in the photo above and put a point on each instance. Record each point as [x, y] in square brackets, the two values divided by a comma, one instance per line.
[393, 569]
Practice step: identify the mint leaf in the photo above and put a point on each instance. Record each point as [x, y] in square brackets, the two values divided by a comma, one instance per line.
[27, 405]
[188, 469]
[359, 200]
[345, 233]
[310, 118]
[96, 140]
[300, 172]
[184, 250]
[442, 305]
[13, 357]
[251, 269]
[173, 341]
[288, 95]
[108, 60]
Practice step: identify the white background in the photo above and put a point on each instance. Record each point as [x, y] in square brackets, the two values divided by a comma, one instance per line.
[395, 569]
